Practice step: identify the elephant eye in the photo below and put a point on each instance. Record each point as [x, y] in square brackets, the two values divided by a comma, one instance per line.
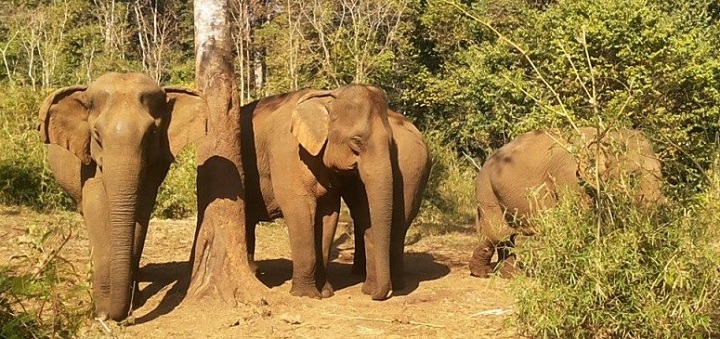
[96, 136]
[356, 144]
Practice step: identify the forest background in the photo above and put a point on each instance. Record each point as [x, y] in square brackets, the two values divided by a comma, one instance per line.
[471, 74]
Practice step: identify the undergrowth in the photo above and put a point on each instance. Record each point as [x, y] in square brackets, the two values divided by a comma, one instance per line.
[41, 294]
[449, 200]
[176, 197]
[24, 176]
[623, 271]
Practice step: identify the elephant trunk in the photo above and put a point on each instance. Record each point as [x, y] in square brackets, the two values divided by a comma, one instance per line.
[122, 182]
[376, 173]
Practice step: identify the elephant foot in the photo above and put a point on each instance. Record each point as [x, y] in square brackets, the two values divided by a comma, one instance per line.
[368, 288]
[480, 263]
[327, 291]
[371, 289]
[305, 291]
[480, 271]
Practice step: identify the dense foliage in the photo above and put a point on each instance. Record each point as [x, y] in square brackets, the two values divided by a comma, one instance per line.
[623, 272]
[472, 74]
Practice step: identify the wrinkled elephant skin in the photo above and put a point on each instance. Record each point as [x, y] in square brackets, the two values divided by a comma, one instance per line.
[299, 150]
[541, 162]
[110, 145]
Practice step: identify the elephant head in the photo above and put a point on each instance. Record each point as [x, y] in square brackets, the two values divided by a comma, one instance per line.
[128, 129]
[620, 154]
[348, 127]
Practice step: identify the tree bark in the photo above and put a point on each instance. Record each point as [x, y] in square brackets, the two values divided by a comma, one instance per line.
[220, 263]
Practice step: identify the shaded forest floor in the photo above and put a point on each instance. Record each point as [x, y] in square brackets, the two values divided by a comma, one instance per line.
[441, 299]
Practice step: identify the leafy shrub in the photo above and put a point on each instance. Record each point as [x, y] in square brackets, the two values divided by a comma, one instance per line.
[41, 295]
[24, 176]
[449, 200]
[622, 271]
[177, 198]
[635, 63]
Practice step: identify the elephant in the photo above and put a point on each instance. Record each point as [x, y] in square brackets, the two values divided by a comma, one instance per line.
[411, 162]
[547, 164]
[301, 152]
[110, 145]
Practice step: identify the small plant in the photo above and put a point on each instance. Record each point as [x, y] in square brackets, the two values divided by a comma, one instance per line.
[41, 295]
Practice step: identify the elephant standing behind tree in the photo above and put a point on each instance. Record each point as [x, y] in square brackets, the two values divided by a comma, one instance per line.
[110, 146]
[544, 164]
[301, 152]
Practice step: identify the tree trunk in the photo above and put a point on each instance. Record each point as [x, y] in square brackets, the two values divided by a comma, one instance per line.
[219, 257]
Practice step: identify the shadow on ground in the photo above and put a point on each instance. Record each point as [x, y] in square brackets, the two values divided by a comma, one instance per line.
[159, 276]
[419, 267]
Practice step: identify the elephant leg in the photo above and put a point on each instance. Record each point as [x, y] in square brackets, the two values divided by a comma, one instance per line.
[355, 198]
[505, 267]
[397, 255]
[363, 261]
[326, 216]
[492, 229]
[359, 261]
[303, 246]
[250, 239]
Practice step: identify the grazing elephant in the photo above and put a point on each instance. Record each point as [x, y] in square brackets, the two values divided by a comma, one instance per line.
[541, 162]
[411, 163]
[296, 149]
[110, 146]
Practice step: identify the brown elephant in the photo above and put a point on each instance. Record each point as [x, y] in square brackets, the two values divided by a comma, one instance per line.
[411, 163]
[300, 150]
[547, 164]
[110, 146]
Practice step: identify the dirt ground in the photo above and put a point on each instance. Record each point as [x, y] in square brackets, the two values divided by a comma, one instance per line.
[441, 299]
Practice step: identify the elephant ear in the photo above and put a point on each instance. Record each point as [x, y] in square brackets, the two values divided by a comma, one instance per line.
[310, 121]
[187, 115]
[64, 121]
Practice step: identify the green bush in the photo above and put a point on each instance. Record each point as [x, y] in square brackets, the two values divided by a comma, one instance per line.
[449, 200]
[41, 295]
[24, 176]
[177, 198]
[622, 271]
[634, 63]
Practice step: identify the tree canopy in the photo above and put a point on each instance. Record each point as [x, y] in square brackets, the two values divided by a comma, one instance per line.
[477, 72]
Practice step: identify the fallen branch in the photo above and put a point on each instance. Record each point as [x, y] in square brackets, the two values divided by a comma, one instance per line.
[410, 322]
